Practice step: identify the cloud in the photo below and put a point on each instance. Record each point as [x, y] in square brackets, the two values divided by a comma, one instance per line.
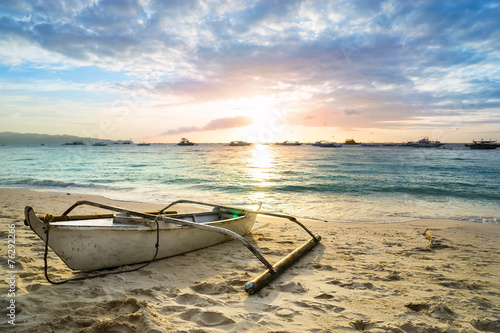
[351, 112]
[216, 124]
[326, 61]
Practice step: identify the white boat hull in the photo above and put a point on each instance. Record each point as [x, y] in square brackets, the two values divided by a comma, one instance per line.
[104, 243]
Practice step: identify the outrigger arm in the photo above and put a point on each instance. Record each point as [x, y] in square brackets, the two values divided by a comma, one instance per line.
[256, 284]
[272, 272]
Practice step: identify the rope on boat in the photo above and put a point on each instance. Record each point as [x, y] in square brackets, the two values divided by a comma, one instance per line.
[45, 260]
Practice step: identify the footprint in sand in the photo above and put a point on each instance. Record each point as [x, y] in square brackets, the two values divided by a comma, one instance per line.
[206, 318]
[482, 303]
[439, 311]
[167, 309]
[213, 288]
[322, 267]
[486, 324]
[320, 306]
[360, 325]
[352, 285]
[196, 300]
[287, 313]
[291, 287]
[324, 296]
[142, 292]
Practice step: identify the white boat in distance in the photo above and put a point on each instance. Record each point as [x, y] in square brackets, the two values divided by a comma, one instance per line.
[93, 242]
[289, 143]
[327, 144]
[426, 143]
[239, 143]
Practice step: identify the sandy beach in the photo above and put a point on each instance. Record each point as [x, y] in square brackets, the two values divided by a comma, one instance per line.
[362, 277]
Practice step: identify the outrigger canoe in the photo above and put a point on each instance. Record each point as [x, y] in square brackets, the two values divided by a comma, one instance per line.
[126, 237]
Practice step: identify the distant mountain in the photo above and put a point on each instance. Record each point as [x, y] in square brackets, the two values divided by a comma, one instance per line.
[10, 138]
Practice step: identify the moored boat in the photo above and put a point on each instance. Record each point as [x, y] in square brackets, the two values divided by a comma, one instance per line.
[351, 142]
[185, 142]
[327, 144]
[126, 237]
[239, 143]
[483, 144]
[75, 143]
[289, 143]
[426, 143]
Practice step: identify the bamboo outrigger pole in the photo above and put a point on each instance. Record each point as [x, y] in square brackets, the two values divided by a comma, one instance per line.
[265, 278]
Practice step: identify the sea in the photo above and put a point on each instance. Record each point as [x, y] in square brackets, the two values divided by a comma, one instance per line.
[349, 184]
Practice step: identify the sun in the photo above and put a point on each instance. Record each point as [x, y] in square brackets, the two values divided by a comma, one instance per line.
[263, 112]
[267, 118]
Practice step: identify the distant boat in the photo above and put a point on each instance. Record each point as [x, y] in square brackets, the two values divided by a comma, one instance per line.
[75, 143]
[289, 143]
[351, 142]
[483, 144]
[99, 144]
[239, 143]
[319, 143]
[370, 145]
[327, 144]
[143, 144]
[426, 143]
[185, 142]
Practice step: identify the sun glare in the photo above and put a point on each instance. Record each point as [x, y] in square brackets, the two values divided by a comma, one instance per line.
[261, 163]
[266, 117]
[260, 109]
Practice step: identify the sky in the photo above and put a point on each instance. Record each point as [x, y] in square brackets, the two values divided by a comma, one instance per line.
[260, 71]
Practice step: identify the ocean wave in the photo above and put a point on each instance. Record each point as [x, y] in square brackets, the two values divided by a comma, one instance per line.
[52, 183]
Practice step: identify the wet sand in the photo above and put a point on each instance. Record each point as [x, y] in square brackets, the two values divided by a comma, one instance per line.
[362, 277]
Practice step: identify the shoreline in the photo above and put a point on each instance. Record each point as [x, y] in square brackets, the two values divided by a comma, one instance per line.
[490, 217]
[376, 277]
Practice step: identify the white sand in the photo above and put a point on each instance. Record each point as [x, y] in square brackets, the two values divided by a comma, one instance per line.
[371, 277]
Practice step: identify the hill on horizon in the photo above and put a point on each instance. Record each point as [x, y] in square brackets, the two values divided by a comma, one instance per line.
[11, 138]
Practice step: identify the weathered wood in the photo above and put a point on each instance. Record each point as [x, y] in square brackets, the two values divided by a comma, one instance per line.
[434, 243]
[265, 278]
[50, 218]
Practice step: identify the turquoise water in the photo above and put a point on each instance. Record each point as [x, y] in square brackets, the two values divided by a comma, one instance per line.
[352, 183]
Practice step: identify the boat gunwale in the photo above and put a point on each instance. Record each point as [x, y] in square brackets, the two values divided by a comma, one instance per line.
[136, 224]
